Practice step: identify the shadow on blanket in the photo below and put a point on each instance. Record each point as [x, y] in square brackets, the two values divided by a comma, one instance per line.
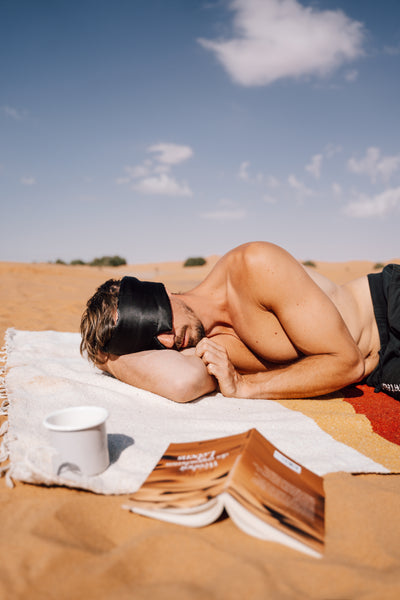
[117, 443]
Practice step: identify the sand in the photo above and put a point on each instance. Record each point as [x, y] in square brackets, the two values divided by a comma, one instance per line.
[67, 544]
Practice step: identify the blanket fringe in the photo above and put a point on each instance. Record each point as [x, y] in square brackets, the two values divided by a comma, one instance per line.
[3, 428]
[3, 391]
[4, 407]
[4, 452]
[6, 472]
[5, 469]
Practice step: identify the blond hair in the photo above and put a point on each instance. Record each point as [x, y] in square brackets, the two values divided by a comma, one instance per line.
[98, 321]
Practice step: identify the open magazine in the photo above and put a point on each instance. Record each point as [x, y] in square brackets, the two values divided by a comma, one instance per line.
[265, 493]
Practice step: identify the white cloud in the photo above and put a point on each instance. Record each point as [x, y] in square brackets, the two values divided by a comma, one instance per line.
[314, 167]
[227, 211]
[163, 185]
[302, 190]
[244, 174]
[122, 180]
[171, 154]
[225, 215]
[374, 165]
[161, 169]
[28, 180]
[376, 206]
[337, 189]
[138, 171]
[332, 149]
[272, 182]
[153, 176]
[244, 171]
[275, 39]
[351, 75]
[14, 113]
[392, 50]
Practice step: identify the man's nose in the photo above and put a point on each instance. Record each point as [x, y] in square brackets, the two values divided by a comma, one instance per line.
[167, 339]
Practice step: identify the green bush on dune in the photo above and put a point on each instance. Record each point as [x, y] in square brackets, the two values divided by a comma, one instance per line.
[309, 263]
[108, 261]
[196, 261]
[104, 261]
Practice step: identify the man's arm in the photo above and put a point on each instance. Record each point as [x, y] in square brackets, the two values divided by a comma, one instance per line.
[178, 376]
[330, 359]
[306, 378]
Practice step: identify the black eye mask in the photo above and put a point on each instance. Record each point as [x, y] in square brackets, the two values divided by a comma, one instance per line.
[144, 311]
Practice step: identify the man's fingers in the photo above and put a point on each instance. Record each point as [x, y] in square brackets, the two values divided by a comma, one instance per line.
[217, 362]
[212, 369]
[211, 357]
[206, 345]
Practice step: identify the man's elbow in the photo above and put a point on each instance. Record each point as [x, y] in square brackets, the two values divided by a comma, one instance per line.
[355, 367]
[192, 384]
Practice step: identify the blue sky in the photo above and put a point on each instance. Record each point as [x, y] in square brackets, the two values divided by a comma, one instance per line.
[163, 129]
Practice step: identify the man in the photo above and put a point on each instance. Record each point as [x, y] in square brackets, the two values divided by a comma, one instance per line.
[260, 325]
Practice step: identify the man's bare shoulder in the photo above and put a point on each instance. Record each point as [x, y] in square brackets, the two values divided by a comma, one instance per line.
[268, 255]
[261, 264]
[254, 250]
[247, 261]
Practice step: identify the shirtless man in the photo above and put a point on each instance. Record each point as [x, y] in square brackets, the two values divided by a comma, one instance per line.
[260, 325]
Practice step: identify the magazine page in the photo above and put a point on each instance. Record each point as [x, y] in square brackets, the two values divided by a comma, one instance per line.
[190, 474]
[193, 516]
[279, 491]
[248, 522]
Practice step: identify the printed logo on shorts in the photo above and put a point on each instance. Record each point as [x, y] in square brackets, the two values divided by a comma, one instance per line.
[391, 387]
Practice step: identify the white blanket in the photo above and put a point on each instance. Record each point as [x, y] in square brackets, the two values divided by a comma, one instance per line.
[45, 372]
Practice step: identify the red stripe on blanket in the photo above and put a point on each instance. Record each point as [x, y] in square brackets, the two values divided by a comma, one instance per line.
[382, 410]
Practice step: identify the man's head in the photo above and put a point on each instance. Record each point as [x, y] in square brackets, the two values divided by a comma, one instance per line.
[123, 317]
[187, 329]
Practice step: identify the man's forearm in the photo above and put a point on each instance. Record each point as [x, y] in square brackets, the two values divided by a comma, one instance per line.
[174, 375]
[309, 377]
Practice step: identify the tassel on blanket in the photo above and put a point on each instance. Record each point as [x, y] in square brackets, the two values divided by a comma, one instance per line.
[3, 428]
[5, 470]
[4, 453]
[4, 450]
[3, 406]
[3, 392]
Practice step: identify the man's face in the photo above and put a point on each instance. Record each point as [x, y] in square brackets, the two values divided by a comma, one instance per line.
[187, 328]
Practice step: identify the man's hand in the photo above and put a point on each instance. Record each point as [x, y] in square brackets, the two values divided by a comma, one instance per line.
[216, 359]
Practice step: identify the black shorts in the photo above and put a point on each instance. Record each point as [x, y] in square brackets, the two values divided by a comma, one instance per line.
[385, 294]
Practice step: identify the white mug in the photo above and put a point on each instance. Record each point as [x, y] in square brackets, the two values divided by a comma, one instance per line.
[78, 434]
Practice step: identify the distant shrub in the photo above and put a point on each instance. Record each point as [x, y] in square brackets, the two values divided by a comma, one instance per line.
[196, 261]
[309, 263]
[378, 265]
[60, 262]
[108, 261]
[77, 261]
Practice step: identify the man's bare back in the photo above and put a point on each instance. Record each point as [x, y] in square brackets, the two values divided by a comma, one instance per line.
[273, 330]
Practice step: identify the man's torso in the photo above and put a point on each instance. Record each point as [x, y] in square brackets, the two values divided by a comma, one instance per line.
[255, 336]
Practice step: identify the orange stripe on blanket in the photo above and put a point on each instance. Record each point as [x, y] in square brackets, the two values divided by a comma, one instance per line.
[337, 416]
